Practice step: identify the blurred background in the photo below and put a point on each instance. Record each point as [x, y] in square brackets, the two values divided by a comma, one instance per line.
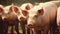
[19, 2]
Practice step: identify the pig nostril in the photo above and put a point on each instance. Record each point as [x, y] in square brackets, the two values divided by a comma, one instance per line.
[30, 26]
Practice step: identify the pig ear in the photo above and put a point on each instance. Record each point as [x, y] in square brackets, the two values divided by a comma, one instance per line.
[41, 11]
[10, 9]
[15, 9]
[1, 9]
[27, 7]
[24, 12]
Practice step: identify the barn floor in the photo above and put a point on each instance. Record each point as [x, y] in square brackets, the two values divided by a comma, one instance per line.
[9, 30]
[20, 30]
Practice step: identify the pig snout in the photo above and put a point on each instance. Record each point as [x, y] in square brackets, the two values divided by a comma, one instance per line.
[4, 18]
[30, 24]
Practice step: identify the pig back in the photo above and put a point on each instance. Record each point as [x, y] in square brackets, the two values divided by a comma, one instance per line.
[50, 10]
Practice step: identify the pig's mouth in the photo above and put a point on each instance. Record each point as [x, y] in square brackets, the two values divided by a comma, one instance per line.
[32, 26]
[36, 25]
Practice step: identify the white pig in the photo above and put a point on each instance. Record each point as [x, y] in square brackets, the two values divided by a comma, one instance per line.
[58, 16]
[41, 16]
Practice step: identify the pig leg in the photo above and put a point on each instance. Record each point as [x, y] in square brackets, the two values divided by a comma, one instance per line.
[45, 31]
[28, 30]
[22, 26]
[1, 26]
[11, 29]
[37, 31]
[5, 27]
[16, 27]
[53, 27]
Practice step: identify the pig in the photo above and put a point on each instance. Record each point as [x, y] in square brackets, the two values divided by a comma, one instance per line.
[43, 17]
[24, 12]
[58, 18]
[57, 3]
[11, 17]
[1, 21]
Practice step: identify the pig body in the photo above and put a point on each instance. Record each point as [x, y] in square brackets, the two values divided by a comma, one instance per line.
[48, 10]
[58, 16]
[40, 17]
[24, 13]
[1, 21]
[57, 3]
[11, 17]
